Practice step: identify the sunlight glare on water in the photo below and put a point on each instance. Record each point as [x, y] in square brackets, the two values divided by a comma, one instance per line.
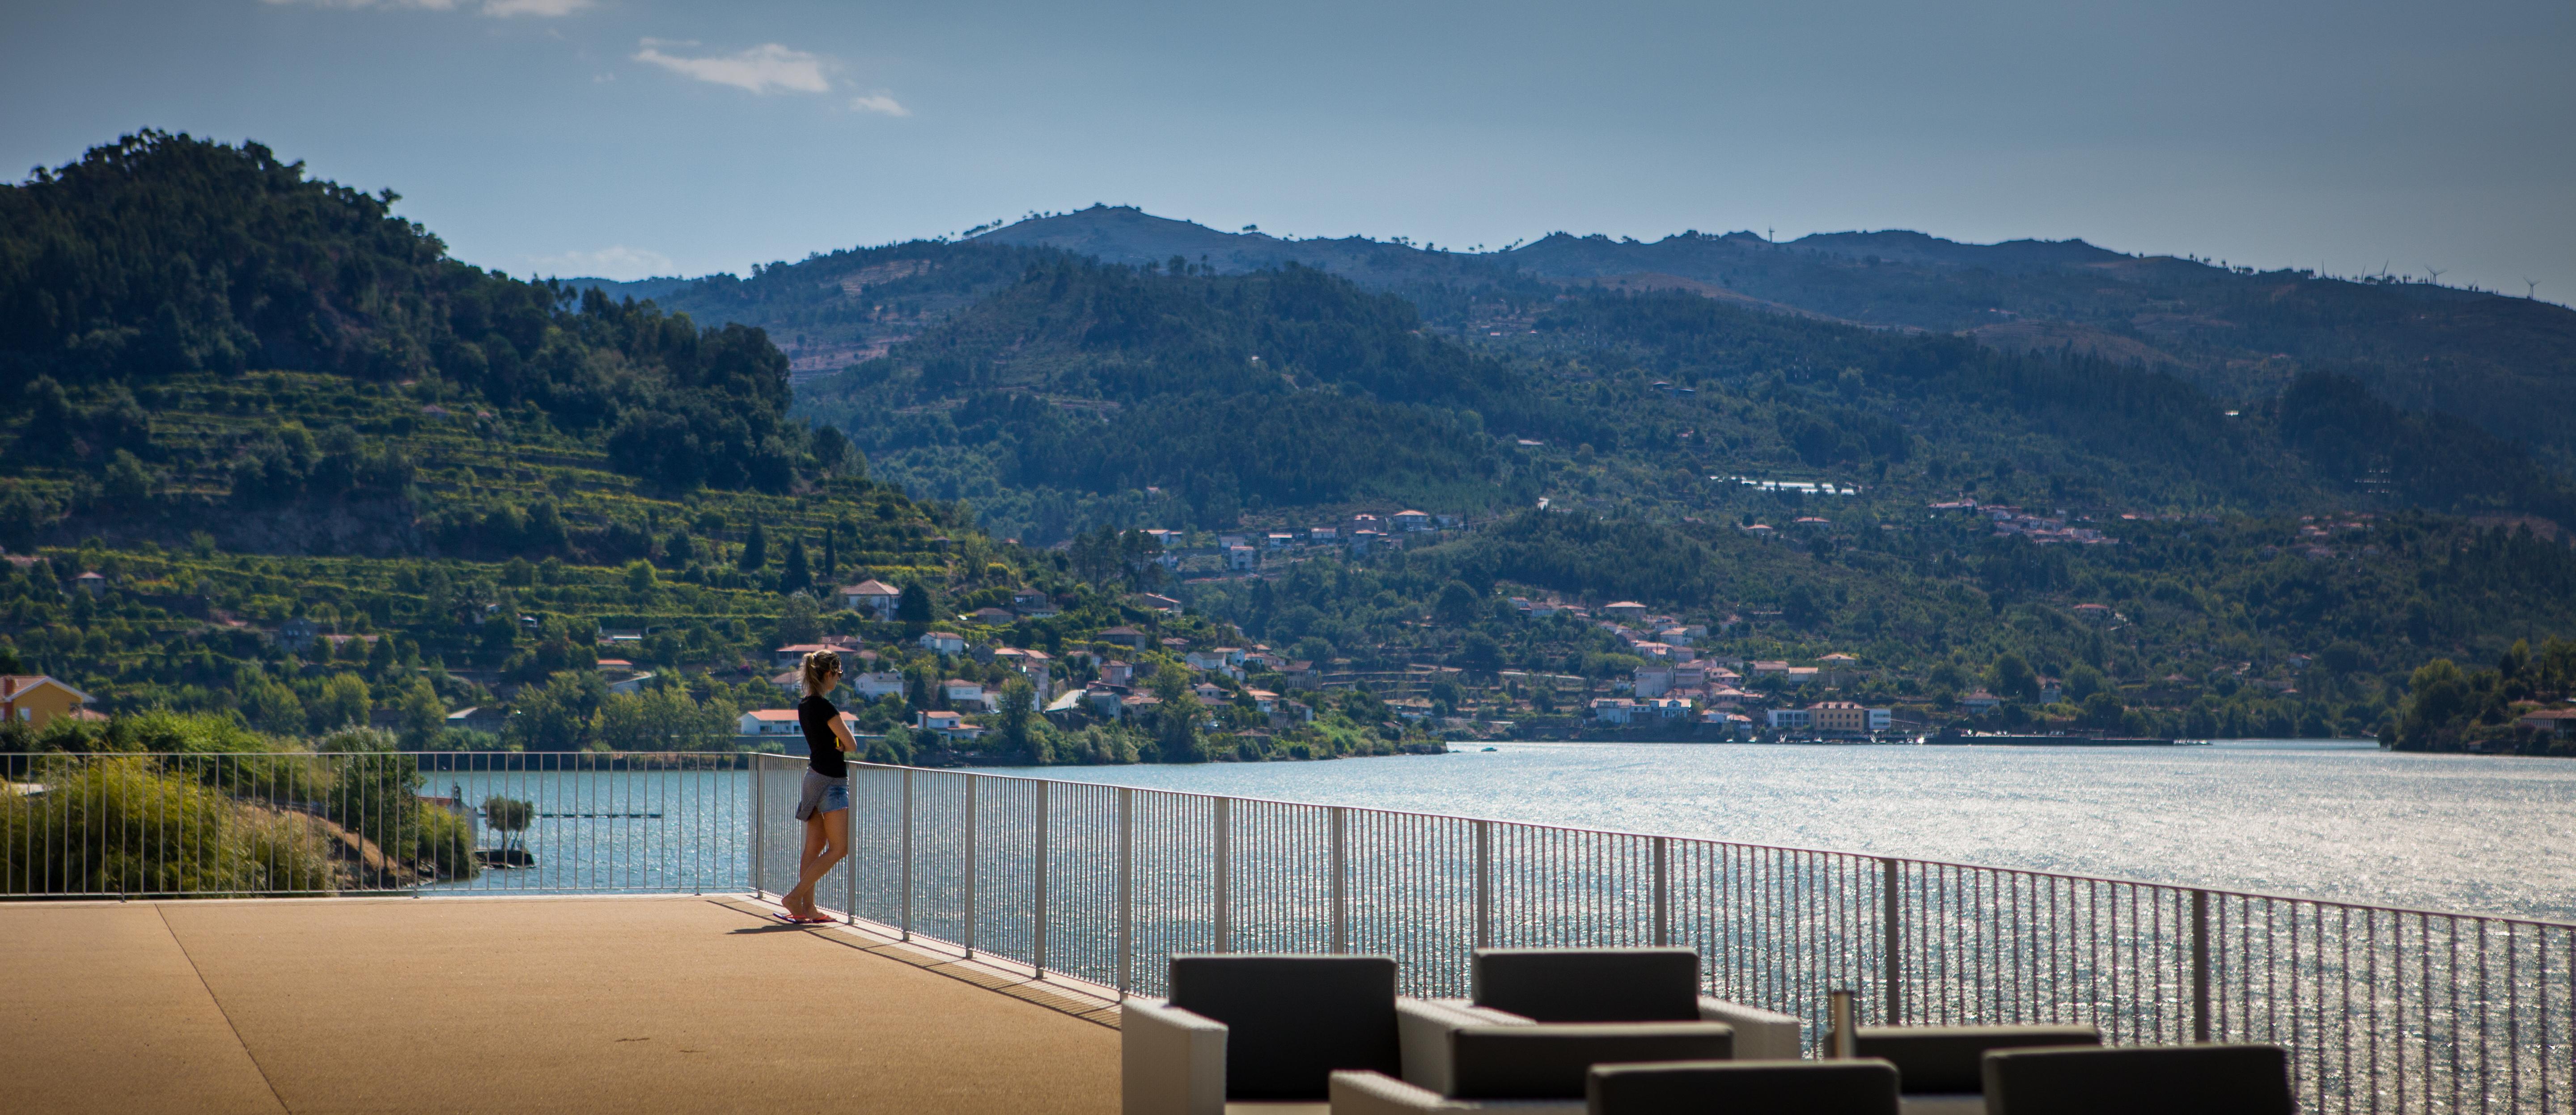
[2338, 821]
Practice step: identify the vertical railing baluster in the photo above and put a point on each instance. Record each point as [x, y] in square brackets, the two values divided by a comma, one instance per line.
[906, 855]
[972, 782]
[2200, 966]
[1484, 884]
[1663, 898]
[1126, 890]
[851, 858]
[1334, 826]
[1038, 901]
[1224, 863]
[759, 819]
[1891, 931]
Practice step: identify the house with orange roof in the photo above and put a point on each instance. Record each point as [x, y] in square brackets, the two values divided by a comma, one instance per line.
[36, 699]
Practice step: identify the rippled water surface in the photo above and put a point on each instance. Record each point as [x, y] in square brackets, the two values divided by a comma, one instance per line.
[2348, 822]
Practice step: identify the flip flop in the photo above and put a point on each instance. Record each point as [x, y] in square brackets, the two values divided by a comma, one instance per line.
[792, 919]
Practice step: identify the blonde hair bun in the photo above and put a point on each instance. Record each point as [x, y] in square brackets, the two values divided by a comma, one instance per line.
[819, 666]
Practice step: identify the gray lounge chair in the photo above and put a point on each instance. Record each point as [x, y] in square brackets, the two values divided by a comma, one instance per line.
[1252, 1029]
[1941, 1069]
[1744, 1088]
[1622, 985]
[2152, 1080]
[1533, 1068]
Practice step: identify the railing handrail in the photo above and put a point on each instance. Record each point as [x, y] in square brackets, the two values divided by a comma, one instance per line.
[2026, 872]
[753, 756]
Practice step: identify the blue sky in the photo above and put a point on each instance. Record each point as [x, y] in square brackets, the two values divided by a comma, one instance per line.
[632, 137]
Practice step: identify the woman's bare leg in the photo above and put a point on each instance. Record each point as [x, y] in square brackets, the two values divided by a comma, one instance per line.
[800, 901]
[827, 841]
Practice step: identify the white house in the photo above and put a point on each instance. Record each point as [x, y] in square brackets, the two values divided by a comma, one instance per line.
[1654, 681]
[943, 642]
[770, 722]
[1242, 558]
[966, 694]
[871, 597]
[883, 683]
[1614, 710]
[1790, 718]
[950, 725]
[1411, 520]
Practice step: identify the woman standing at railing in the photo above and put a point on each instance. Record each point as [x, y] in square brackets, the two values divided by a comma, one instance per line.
[825, 804]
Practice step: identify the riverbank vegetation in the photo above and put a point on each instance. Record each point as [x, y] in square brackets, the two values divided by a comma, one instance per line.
[163, 802]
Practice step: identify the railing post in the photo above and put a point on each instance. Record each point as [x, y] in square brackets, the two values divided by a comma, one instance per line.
[1224, 908]
[2200, 965]
[759, 825]
[849, 862]
[972, 781]
[1892, 941]
[1126, 890]
[1335, 829]
[1663, 904]
[906, 915]
[1037, 909]
[1484, 884]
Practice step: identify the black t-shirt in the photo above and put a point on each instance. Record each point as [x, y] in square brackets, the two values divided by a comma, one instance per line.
[817, 715]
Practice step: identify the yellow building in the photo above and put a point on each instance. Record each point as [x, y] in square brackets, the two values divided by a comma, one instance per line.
[36, 699]
[1838, 716]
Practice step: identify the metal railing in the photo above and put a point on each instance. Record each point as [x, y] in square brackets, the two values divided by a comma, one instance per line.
[186, 825]
[2382, 1009]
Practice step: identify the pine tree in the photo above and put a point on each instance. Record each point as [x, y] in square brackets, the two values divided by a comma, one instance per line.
[797, 576]
[755, 550]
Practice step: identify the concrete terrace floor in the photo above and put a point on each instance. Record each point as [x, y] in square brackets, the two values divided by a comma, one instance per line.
[520, 1004]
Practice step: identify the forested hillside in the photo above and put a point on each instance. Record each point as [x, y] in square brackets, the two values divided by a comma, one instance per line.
[274, 464]
[1165, 395]
[2505, 364]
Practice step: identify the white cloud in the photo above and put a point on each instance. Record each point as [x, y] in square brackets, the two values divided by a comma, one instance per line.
[879, 102]
[617, 261]
[766, 68]
[504, 9]
[498, 9]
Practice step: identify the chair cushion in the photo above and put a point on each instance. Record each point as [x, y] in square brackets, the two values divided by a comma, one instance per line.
[1552, 1061]
[2153, 1080]
[1291, 1020]
[1952, 1058]
[1589, 985]
[1719, 1087]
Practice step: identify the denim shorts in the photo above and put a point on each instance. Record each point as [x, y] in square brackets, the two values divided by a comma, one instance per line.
[822, 795]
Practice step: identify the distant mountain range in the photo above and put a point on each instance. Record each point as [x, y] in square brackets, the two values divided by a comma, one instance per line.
[2505, 364]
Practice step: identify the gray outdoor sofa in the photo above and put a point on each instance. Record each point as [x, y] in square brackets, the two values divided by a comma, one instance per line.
[2148, 1080]
[1528, 1068]
[1861, 1087]
[1247, 1029]
[1622, 985]
[1247, 1032]
[1941, 1069]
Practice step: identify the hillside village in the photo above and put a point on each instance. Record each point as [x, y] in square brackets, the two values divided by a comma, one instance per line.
[1102, 644]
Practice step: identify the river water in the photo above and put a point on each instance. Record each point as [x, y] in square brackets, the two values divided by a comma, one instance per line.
[2338, 821]
[2342, 821]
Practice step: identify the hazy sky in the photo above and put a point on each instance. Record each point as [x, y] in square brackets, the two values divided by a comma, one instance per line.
[634, 137]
